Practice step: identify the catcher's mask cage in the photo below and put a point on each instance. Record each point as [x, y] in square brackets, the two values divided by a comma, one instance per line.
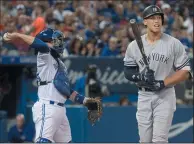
[153, 10]
[58, 41]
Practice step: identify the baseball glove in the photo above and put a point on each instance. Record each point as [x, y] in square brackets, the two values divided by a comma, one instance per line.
[94, 106]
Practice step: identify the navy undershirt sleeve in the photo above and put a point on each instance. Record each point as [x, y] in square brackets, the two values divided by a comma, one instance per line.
[40, 46]
[130, 71]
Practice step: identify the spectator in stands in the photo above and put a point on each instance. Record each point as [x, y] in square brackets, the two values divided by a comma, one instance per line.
[91, 27]
[21, 132]
[108, 9]
[49, 19]
[76, 46]
[168, 18]
[104, 20]
[89, 48]
[178, 20]
[112, 48]
[58, 12]
[20, 10]
[39, 22]
[124, 101]
[124, 44]
[102, 41]
[90, 20]
[105, 37]
[28, 7]
[23, 23]
[68, 25]
[187, 20]
[129, 8]
[99, 46]
[120, 16]
[184, 38]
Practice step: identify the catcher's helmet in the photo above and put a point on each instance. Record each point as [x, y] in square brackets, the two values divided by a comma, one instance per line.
[53, 36]
[45, 35]
[152, 10]
[58, 41]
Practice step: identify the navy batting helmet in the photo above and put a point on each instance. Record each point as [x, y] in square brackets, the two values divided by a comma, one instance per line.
[53, 36]
[153, 10]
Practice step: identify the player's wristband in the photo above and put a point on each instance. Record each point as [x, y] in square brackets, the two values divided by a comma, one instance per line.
[76, 97]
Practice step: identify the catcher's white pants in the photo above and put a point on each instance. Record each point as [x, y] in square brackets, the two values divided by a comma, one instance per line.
[51, 122]
[154, 115]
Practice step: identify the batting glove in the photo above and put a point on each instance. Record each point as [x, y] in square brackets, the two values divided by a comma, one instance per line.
[158, 85]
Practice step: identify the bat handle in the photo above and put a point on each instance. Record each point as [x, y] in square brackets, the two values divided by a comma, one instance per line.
[149, 70]
[147, 67]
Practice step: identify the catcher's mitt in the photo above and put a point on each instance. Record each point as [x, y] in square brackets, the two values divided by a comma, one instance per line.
[94, 106]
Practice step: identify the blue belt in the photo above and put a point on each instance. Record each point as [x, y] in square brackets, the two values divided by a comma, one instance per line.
[53, 102]
[59, 104]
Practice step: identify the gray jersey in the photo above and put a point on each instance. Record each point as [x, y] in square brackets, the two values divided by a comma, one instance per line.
[164, 57]
[155, 109]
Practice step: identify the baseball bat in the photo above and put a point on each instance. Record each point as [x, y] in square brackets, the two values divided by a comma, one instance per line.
[138, 39]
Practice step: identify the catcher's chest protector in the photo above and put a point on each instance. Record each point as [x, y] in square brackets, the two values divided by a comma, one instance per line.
[61, 81]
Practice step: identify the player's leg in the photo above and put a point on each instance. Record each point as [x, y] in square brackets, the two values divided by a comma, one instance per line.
[63, 134]
[163, 115]
[46, 119]
[144, 118]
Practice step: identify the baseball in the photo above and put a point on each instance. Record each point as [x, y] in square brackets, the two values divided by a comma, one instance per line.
[5, 37]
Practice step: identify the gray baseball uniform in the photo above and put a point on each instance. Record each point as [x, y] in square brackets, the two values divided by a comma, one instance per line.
[155, 109]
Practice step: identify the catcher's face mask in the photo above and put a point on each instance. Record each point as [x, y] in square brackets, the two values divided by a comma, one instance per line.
[58, 41]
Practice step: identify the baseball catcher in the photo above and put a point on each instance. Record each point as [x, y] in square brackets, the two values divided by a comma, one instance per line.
[49, 112]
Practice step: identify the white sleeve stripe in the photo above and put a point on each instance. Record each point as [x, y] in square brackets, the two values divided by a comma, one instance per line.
[129, 61]
[184, 64]
[130, 64]
[186, 68]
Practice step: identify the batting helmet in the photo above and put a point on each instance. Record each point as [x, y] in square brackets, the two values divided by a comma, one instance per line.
[55, 37]
[153, 10]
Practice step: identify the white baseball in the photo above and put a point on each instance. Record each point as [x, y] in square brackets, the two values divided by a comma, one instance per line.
[5, 37]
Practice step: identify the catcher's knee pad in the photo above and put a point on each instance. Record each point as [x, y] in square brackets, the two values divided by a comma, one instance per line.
[43, 140]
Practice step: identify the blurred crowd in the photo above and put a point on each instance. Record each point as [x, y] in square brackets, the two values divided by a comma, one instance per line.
[92, 28]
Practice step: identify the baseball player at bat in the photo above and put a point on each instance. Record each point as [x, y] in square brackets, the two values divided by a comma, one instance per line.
[169, 65]
[49, 113]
